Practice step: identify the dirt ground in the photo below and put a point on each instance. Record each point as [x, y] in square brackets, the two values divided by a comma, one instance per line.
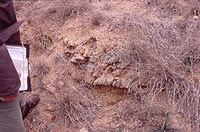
[93, 65]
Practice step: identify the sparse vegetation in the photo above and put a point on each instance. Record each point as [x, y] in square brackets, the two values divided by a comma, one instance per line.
[75, 108]
[150, 48]
[42, 41]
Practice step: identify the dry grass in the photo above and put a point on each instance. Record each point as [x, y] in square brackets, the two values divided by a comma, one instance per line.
[96, 19]
[166, 56]
[66, 9]
[74, 108]
[42, 40]
[156, 117]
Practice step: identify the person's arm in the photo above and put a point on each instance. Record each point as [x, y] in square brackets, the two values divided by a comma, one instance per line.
[9, 33]
[9, 80]
[10, 97]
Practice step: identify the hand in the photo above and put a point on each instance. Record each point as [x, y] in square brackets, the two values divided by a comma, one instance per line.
[19, 74]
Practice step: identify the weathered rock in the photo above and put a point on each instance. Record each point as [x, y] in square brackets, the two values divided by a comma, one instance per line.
[77, 59]
[65, 40]
[52, 89]
[195, 17]
[69, 44]
[50, 108]
[111, 58]
[116, 82]
[100, 80]
[109, 70]
[96, 73]
[61, 84]
[83, 130]
[123, 83]
[108, 80]
[49, 117]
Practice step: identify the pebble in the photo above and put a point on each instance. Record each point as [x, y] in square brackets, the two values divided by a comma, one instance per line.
[52, 89]
[60, 84]
[66, 40]
[49, 117]
[51, 108]
[83, 130]
[195, 17]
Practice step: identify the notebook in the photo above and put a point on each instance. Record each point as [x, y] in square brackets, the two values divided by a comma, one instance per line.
[20, 55]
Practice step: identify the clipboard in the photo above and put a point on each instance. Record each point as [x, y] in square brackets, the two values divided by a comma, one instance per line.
[20, 57]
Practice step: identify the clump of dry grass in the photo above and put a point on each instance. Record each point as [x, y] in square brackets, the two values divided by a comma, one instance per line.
[74, 108]
[72, 112]
[39, 71]
[165, 55]
[96, 19]
[62, 10]
[42, 40]
[170, 8]
[156, 117]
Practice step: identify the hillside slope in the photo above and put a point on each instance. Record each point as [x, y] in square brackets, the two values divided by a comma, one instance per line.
[104, 65]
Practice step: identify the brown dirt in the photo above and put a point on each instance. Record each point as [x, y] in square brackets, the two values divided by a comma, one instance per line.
[81, 62]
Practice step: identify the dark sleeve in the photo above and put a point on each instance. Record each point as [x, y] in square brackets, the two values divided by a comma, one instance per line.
[9, 33]
[9, 80]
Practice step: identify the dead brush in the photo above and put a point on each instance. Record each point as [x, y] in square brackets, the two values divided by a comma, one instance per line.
[65, 9]
[127, 23]
[156, 117]
[163, 8]
[41, 39]
[166, 57]
[96, 19]
[75, 109]
[105, 4]
[39, 71]
[78, 8]
[177, 84]
[72, 112]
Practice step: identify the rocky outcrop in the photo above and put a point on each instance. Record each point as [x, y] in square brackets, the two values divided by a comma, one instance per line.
[101, 67]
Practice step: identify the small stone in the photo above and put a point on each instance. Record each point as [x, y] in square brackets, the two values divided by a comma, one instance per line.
[65, 40]
[61, 84]
[109, 70]
[71, 45]
[57, 95]
[117, 83]
[83, 130]
[117, 72]
[77, 58]
[51, 108]
[49, 117]
[87, 52]
[123, 83]
[96, 74]
[100, 80]
[82, 51]
[109, 80]
[68, 53]
[195, 17]
[52, 89]
[92, 59]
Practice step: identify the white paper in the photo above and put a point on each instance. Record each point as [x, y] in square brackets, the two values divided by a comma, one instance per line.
[18, 55]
